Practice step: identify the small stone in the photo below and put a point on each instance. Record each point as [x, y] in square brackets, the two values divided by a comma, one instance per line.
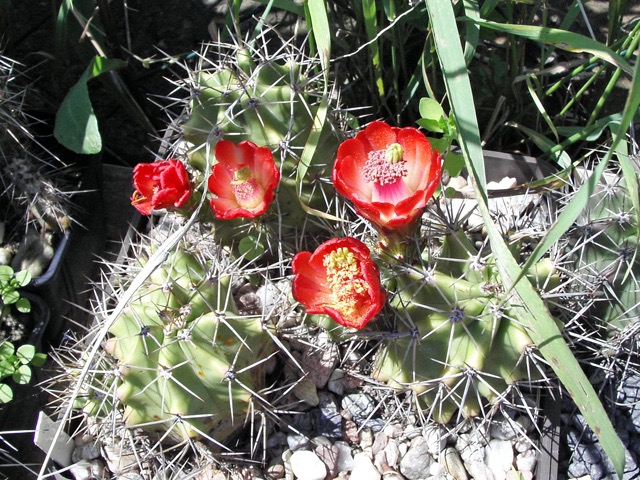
[328, 454]
[359, 406]
[597, 471]
[374, 424]
[307, 466]
[335, 383]
[137, 476]
[379, 443]
[393, 430]
[436, 438]
[578, 469]
[276, 470]
[345, 458]
[498, 456]
[350, 432]
[479, 471]
[588, 454]
[297, 442]
[366, 439]
[328, 422]
[504, 428]
[363, 469]
[286, 460]
[392, 453]
[118, 462]
[470, 451]
[306, 391]
[453, 464]
[526, 462]
[319, 362]
[523, 444]
[416, 461]
[87, 470]
[380, 462]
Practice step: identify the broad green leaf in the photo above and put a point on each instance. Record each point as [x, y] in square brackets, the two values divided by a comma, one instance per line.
[23, 305]
[39, 359]
[570, 41]
[25, 353]
[6, 273]
[6, 394]
[76, 125]
[10, 297]
[23, 277]
[6, 349]
[534, 316]
[7, 367]
[22, 376]
[431, 113]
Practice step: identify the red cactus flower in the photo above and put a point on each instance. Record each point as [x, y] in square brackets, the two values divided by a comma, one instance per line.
[339, 279]
[244, 180]
[388, 173]
[158, 185]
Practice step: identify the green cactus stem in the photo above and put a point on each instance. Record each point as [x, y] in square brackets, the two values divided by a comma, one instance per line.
[188, 362]
[458, 341]
[272, 103]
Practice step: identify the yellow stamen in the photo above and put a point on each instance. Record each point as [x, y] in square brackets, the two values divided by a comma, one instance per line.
[345, 280]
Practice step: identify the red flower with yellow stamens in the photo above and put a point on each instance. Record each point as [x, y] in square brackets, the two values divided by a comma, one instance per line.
[339, 279]
[389, 174]
[244, 180]
[163, 184]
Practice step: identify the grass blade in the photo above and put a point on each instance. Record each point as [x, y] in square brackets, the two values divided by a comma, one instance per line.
[535, 316]
[563, 39]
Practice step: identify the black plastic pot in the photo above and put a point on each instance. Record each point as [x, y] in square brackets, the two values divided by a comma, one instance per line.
[63, 287]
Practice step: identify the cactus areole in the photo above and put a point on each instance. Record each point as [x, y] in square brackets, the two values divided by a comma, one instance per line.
[389, 174]
[243, 181]
[158, 185]
[189, 363]
[340, 280]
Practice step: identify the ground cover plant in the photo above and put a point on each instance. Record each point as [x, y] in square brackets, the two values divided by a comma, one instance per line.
[316, 181]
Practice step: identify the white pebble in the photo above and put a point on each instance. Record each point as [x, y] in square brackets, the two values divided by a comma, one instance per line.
[363, 469]
[307, 466]
[498, 456]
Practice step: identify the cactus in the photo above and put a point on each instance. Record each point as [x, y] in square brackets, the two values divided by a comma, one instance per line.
[33, 203]
[188, 364]
[605, 256]
[457, 339]
[271, 101]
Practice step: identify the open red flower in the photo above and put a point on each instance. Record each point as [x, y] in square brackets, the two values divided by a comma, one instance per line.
[388, 173]
[158, 185]
[244, 180]
[339, 279]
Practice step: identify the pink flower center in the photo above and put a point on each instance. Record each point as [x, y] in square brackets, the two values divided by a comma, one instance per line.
[349, 289]
[247, 191]
[385, 166]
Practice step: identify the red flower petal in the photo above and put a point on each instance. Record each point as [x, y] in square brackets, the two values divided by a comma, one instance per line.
[244, 180]
[390, 196]
[162, 184]
[339, 279]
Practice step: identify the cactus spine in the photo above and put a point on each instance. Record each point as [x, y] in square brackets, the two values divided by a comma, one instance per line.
[272, 102]
[457, 340]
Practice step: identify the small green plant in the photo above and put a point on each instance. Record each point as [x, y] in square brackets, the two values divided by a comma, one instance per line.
[16, 363]
[10, 284]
